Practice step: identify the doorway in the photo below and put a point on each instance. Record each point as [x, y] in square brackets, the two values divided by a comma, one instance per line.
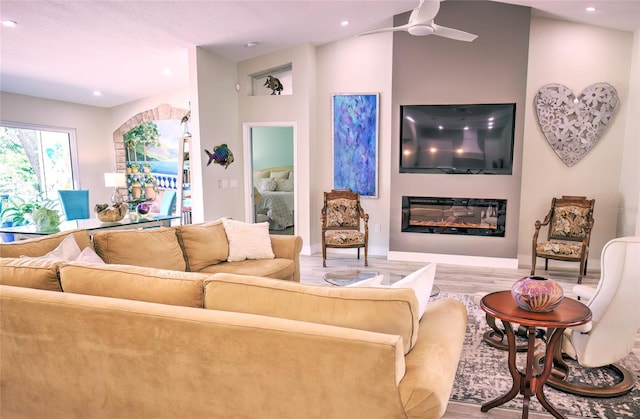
[270, 175]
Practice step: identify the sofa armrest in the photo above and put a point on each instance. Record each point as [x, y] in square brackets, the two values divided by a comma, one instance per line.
[432, 363]
[288, 247]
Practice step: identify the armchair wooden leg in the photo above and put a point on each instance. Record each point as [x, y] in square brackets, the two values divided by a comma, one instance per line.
[366, 256]
[324, 257]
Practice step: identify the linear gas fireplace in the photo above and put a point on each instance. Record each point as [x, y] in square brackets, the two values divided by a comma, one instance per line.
[464, 216]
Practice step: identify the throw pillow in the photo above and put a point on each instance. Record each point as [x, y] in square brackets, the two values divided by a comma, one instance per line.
[89, 255]
[280, 174]
[371, 282]
[284, 185]
[421, 282]
[67, 250]
[247, 241]
[266, 184]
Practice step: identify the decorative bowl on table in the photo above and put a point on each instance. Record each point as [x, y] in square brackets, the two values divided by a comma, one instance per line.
[143, 209]
[111, 215]
[537, 293]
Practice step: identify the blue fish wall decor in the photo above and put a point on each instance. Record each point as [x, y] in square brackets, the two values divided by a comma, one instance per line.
[221, 155]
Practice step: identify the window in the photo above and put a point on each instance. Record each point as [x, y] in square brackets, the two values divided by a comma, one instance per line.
[36, 161]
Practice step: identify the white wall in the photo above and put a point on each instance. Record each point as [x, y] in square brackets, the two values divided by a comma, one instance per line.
[297, 109]
[576, 56]
[355, 65]
[629, 203]
[96, 154]
[214, 121]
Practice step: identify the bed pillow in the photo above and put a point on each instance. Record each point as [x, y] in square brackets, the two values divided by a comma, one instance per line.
[266, 184]
[247, 241]
[261, 174]
[279, 174]
[284, 185]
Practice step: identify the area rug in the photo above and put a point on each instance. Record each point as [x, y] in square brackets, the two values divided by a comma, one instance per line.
[483, 375]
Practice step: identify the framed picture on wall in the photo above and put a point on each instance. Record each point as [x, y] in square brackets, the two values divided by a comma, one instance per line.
[355, 142]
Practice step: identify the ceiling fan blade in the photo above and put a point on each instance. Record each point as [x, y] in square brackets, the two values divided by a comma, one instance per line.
[451, 33]
[427, 11]
[396, 28]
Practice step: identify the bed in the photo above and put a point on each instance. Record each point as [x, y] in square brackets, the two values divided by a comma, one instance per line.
[273, 196]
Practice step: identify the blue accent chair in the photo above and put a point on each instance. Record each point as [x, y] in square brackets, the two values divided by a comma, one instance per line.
[75, 204]
[168, 202]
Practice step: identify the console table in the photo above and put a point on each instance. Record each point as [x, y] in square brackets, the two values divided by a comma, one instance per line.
[91, 225]
[531, 381]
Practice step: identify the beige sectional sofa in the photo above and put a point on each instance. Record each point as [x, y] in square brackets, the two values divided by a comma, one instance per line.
[192, 248]
[131, 341]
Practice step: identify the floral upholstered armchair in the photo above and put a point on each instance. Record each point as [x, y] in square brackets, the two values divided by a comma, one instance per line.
[341, 223]
[570, 221]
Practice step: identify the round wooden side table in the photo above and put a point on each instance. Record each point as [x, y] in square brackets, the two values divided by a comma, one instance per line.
[531, 381]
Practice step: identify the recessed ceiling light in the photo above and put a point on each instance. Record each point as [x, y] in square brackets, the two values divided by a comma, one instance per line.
[166, 71]
[97, 93]
[251, 44]
[9, 23]
[344, 23]
[591, 9]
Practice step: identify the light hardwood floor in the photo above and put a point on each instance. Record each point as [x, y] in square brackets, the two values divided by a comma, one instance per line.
[460, 280]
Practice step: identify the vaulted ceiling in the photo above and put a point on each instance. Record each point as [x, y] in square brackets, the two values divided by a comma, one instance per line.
[66, 50]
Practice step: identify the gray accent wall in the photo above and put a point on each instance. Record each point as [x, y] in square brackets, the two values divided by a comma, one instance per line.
[436, 70]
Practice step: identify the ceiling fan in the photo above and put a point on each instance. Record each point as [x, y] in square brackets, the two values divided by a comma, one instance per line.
[421, 24]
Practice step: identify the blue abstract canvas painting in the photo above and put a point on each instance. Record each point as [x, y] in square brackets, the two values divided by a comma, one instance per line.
[355, 143]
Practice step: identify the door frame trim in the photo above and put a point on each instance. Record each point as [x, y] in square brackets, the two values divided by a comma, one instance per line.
[248, 168]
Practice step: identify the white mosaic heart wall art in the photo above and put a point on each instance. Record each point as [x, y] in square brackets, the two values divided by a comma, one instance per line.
[573, 125]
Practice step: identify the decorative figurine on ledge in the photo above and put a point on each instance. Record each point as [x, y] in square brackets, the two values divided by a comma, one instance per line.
[221, 155]
[273, 84]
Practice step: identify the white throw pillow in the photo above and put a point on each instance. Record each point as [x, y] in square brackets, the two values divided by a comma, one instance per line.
[89, 255]
[67, 250]
[421, 281]
[247, 241]
[371, 282]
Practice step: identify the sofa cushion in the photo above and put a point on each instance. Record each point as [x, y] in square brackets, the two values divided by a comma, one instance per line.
[134, 283]
[42, 245]
[203, 244]
[152, 248]
[268, 268]
[391, 311]
[247, 240]
[30, 272]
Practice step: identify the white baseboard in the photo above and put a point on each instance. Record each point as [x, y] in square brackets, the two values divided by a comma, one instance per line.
[481, 261]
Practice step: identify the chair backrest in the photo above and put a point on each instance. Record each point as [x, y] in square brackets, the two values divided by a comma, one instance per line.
[75, 204]
[615, 306]
[168, 202]
[341, 210]
[571, 218]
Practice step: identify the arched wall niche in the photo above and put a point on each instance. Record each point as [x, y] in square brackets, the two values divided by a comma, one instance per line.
[163, 111]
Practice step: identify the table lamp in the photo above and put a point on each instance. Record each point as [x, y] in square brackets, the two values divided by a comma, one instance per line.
[115, 180]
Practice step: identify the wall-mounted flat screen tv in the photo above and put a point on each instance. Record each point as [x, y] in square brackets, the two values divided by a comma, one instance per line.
[457, 139]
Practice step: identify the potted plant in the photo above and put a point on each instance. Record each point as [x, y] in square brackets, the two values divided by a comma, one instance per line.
[136, 189]
[135, 167]
[146, 168]
[19, 211]
[150, 186]
[46, 219]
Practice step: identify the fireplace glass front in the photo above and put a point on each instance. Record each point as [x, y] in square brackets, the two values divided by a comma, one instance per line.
[463, 216]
